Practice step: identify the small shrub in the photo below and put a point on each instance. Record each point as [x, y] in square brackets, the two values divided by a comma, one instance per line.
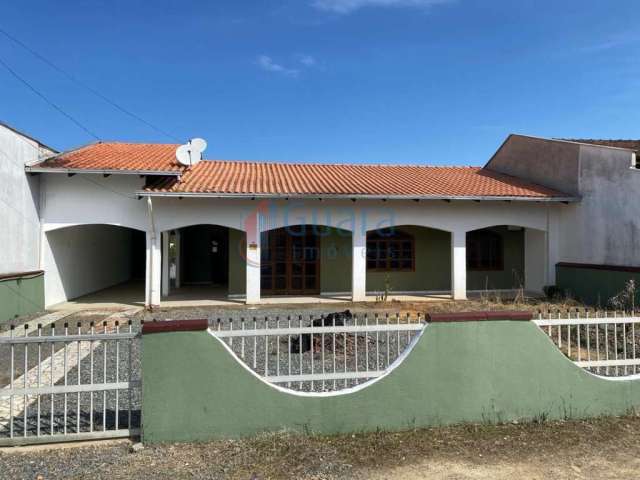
[384, 296]
[625, 299]
[553, 292]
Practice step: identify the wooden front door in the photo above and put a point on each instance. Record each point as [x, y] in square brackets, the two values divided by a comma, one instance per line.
[290, 262]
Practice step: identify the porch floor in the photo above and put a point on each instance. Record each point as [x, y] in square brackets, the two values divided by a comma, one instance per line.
[132, 294]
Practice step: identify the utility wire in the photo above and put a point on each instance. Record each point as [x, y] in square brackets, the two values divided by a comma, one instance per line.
[82, 177]
[87, 87]
[44, 97]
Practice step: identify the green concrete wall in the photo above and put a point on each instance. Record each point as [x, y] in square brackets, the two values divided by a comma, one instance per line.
[237, 264]
[481, 372]
[594, 286]
[21, 297]
[512, 275]
[335, 261]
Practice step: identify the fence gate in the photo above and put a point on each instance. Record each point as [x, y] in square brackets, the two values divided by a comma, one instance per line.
[66, 383]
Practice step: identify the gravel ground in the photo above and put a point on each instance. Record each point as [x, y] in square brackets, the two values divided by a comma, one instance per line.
[600, 449]
[333, 353]
[4, 324]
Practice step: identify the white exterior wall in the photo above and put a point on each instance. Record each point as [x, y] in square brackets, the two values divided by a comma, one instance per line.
[604, 228]
[81, 260]
[19, 203]
[92, 200]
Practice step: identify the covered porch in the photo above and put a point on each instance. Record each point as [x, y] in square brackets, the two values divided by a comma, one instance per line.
[320, 264]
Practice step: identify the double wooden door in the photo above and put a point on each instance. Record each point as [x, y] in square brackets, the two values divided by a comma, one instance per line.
[290, 262]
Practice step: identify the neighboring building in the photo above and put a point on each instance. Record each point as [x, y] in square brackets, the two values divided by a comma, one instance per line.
[118, 212]
[21, 276]
[599, 236]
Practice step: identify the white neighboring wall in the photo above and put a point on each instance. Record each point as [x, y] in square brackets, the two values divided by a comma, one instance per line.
[604, 228]
[19, 202]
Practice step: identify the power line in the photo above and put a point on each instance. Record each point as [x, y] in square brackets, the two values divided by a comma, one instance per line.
[44, 97]
[86, 179]
[87, 87]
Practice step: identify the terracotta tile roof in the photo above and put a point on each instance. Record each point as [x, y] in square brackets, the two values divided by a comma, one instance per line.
[630, 144]
[117, 156]
[266, 178]
[262, 178]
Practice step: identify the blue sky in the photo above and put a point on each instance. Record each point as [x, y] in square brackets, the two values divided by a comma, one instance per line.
[368, 81]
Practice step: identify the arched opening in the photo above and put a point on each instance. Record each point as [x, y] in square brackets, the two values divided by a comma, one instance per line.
[408, 259]
[505, 257]
[305, 260]
[202, 261]
[94, 264]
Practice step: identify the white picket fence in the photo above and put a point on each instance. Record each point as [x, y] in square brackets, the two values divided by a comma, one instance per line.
[319, 355]
[604, 343]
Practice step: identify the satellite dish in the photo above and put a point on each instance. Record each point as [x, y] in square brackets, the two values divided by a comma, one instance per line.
[191, 152]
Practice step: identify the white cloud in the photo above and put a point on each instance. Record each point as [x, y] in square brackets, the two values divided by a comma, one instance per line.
[306, 60]
[348, 6]
[266, 63]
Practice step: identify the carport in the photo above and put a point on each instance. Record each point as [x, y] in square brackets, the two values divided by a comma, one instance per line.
[102, 263]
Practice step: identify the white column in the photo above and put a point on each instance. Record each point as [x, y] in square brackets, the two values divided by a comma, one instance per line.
[358, 264]
[253, 267]
[153, 273]
[459, 265]
[535, 260]
[178, 259]
[165, 263]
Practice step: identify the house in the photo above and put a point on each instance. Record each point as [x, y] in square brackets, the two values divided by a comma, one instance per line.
[110, 213]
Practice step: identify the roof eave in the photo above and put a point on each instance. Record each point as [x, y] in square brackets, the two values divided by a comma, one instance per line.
[505, 198]
[103, 171]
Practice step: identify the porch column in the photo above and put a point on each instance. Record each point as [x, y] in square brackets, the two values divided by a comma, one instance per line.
[459, 265]
[165, 263]
[178, 259]
[153, 271]
[358, 264]
[253, 267]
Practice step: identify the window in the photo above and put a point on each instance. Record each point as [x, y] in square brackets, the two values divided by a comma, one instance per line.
[390, 250]
[484, 250]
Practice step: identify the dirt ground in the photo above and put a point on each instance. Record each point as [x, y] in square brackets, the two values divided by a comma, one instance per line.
[489, 302]
[596, 449]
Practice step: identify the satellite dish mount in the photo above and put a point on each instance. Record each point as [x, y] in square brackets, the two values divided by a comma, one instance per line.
[191, 152]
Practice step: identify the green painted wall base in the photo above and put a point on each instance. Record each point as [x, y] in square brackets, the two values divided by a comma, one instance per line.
[20, 297]
[594, 286]
[481, 372]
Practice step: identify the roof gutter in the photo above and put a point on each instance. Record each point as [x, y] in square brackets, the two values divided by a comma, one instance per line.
[29, 169]
[564, 199]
